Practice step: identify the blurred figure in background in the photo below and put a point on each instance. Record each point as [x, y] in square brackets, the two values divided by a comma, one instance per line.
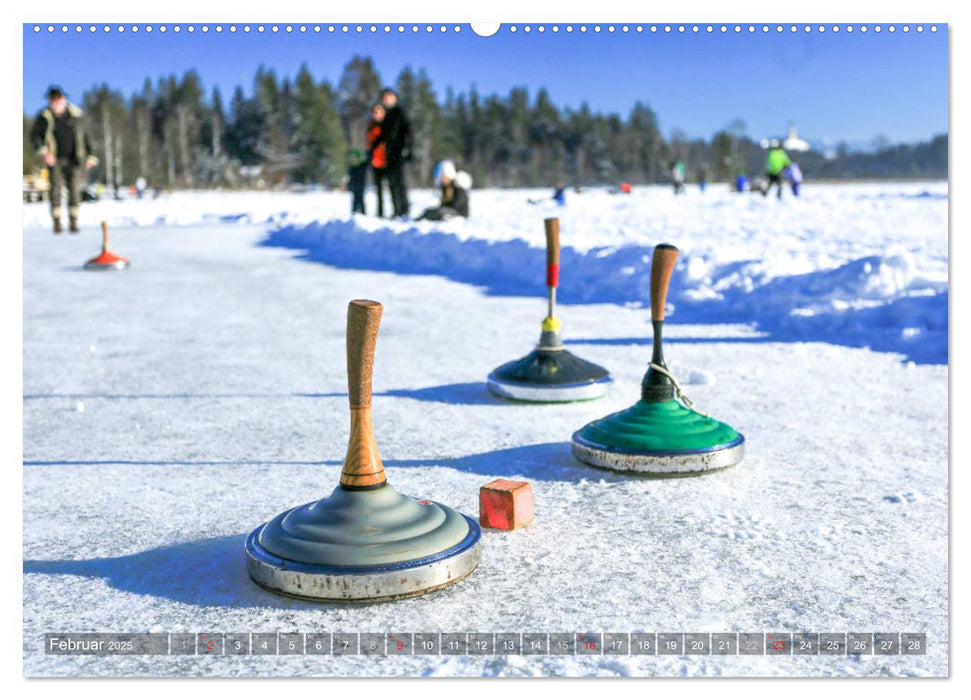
[702, 178]
[59, 137]
[357, 165]
[741, 182]
[396, 137]
[677, 175]
[794, 175]
[455, 186]
[775, 162]
[559, 195]
[378, 152]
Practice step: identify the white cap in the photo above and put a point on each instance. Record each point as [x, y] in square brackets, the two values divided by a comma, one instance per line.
[445, 168]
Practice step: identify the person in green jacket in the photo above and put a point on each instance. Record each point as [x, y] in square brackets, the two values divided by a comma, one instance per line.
[59, 137]
[775, 163]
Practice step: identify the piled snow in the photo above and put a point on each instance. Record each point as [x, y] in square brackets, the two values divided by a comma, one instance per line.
[212, 380]
[861, 265]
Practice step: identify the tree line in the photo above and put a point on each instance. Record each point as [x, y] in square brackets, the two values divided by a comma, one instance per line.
[176, 135]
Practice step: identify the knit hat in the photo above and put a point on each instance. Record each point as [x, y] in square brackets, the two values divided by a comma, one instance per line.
[443, 169]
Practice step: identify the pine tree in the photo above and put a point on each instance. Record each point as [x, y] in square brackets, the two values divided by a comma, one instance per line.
[106, 116]
[188, 113]
[645, 144]
[421, 105]
[318, 140]
[357, 91]
[274, 141]
[244, 128]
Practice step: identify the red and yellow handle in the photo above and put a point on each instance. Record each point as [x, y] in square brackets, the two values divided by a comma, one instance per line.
[552, 252]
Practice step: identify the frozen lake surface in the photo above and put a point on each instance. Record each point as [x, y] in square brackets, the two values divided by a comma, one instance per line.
[171, 408]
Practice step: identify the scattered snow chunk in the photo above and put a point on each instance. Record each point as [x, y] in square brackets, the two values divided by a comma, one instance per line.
[700, 376]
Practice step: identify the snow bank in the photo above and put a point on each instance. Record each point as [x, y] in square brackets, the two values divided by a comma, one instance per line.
[795, 288]
[859, 265]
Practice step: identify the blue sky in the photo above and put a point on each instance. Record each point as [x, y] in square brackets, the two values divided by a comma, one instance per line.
[839, 86]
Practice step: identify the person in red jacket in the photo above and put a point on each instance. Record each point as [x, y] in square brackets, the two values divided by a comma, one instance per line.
[378, 153]
[396, 134]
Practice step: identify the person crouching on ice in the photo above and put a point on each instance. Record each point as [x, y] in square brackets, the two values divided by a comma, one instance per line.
[455, 186]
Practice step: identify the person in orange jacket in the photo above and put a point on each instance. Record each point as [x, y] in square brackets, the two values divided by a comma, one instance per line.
[378, 153]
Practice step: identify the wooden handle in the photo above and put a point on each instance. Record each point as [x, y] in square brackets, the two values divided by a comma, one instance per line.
[104, 236]
[661, 268]
[362, 464]
[552, 252]
[363, 319]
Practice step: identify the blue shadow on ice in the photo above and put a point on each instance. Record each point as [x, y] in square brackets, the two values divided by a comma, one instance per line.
[460, 394]
[212, 571]
[549, 461]
[205, 572]
[854, 305]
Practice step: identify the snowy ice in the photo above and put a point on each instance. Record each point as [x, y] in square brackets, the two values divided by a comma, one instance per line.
[217, 397]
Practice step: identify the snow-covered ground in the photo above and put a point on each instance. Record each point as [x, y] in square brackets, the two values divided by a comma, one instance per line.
[171, 408]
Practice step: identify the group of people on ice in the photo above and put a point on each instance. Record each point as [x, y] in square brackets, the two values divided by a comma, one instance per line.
[388, 142]
[779, 168]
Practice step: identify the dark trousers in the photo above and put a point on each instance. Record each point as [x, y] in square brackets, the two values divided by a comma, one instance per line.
[776, 180]
[380, 177]
[399, 193]
[357, 201]
[70, 175]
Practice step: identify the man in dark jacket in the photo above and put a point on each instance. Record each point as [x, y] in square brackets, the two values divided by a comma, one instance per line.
[396, 136]
[59, 137]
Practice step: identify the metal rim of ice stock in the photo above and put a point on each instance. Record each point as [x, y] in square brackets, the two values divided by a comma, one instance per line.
[333, 584]
[670, 463]
[550, 393]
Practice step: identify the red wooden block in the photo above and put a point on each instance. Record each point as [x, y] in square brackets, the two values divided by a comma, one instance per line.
[505, 504]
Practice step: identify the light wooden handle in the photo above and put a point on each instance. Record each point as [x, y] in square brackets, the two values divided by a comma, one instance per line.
[362, 464]
[104, 235]
[661, 268]
[552, 252]
[363, 319]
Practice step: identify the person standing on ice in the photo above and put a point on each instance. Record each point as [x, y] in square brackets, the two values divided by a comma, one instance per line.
[357, 165]
[775, 162]
[378, 153]
[455, 186]
[677, 175]
[741, 182]
[396, 137]
[60, 139]
[794, 175]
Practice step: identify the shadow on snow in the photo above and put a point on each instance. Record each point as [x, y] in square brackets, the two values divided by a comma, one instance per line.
[459, 394]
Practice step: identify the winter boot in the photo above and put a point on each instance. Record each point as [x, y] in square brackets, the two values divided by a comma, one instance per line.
[57, 225]
[74, 224]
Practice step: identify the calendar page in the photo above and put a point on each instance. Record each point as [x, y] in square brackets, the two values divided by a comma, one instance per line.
[550, 348]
